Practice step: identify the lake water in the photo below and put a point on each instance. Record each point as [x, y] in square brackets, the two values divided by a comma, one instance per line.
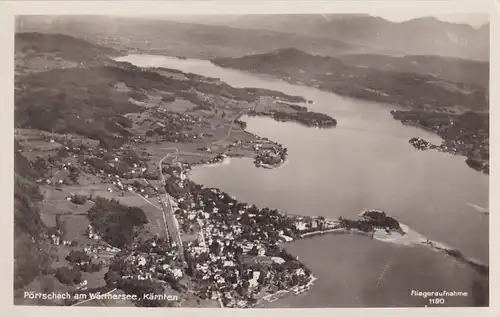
[365, 162]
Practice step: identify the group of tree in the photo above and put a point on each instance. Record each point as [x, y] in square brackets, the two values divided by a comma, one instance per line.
[79, 199]
[141, 288]
[116, 223]
[69, 276]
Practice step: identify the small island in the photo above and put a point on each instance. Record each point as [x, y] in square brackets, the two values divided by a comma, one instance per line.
[421, 144]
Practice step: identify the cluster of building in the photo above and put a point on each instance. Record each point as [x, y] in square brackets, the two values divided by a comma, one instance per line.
[175, 127]
[85, 262]
[216, 159]
[56, 239]
[421, 144]
[96, 248]
[92, 234]
[267, 153]
[163, 266]
[115, 166]
[236, 256]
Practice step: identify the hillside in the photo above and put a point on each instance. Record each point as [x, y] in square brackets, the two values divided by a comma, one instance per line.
[452, 69]
[37, 52]
[369, 83]
[180, 39]
[66, 47]
[30, 245]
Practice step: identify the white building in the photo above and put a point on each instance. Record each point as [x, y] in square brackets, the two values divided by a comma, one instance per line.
[141, 261]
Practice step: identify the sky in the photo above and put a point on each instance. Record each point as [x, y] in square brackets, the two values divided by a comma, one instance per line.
[473, 19]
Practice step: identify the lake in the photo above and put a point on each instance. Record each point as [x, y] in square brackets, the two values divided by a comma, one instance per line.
[364, 162]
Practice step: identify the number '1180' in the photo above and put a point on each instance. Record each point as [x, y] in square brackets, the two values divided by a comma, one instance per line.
[436, 301]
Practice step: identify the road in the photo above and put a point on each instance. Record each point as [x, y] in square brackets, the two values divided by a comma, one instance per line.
[172, 226]
[167, 209]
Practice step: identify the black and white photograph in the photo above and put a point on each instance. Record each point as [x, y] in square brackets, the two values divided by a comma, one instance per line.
[327, 160]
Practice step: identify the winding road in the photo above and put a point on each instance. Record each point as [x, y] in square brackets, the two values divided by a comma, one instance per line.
[172, 226]
[171, 223]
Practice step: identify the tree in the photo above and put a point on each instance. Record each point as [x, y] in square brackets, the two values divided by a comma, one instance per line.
[295, 280]
[245, 219]
[215, 247]
[41, 166]
[69, 276]
[78, 256]
[254, 251]
[112, 277]
[79, 199]
[262, 276]
[140, 288]
[238, 250]
[74, 177]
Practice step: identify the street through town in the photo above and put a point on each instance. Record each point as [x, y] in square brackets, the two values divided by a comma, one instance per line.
[172, 226]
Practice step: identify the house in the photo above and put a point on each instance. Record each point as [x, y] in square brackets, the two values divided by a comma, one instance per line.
[177, 273]
[300, 225]
[82, 285]
[286, 238]
[262, 251]
[56, 240]
[300, 272]
[253, 283]
[219, 279]
[141, 261]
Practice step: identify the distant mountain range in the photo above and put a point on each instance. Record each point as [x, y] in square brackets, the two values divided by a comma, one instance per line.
[426, 36]
[232, 36]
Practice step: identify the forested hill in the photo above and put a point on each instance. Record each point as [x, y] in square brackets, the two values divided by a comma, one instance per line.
[414, 89]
